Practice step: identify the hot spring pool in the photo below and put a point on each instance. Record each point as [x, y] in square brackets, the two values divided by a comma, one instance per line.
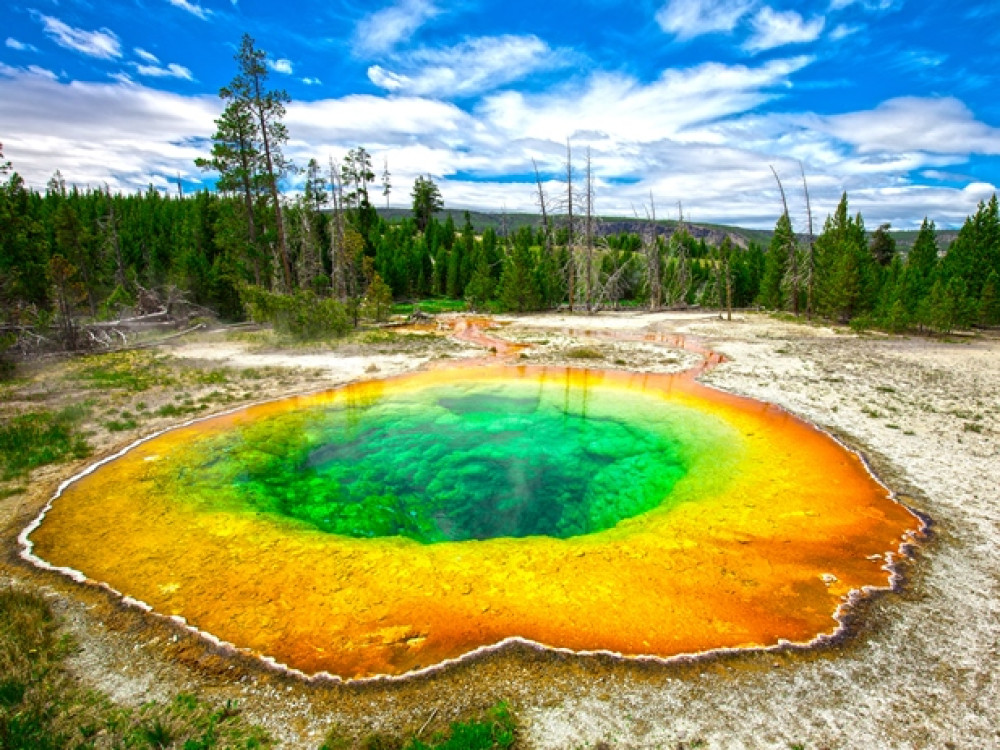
[389, 526]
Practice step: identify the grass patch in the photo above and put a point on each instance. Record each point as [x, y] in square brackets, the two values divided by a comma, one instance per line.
[972, 427]
[584, 352]
[35, 439]
[129, 371]
[42, 707]
[430, 306]
[120, 425]
[212, 377]
[496, 730]
[172, 410]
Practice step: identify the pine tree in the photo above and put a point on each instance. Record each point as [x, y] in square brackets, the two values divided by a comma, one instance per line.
[949, 305]
[846, 281]
[772, 292]
[427, 201]
[518, 287]
[266, 108]
[989, 301]
[480, 288]
[883, 246]
[378, 299]
[238, 162]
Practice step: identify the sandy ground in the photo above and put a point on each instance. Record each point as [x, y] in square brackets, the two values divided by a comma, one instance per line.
[919, 671]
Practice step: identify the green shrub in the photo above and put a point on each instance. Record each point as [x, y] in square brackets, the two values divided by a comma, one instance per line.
[584, 352]
[302, 315]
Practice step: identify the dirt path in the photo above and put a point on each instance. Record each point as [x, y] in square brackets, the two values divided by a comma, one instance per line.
[921, 671]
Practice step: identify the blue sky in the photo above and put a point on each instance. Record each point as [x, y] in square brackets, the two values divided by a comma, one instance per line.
[686, 101]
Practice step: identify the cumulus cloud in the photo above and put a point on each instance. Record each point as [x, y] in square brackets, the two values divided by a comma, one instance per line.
[102, 44]
[14, 44]
[772, 28]
[193, 8]
[936, 125]
[384, 29]
[281, 65]
[472, 67]
[686, 19]
[308, 81]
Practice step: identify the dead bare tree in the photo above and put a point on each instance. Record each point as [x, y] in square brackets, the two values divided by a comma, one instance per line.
[651, 249]
[810, 257]
[570, 229]
[726, 263]
[682, 281]
[110, 225]
[793, 266]
[338, 259]
[543, 205]
[589, 234]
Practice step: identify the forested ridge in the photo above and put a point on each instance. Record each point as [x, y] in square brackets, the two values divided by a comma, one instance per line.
[318, 262]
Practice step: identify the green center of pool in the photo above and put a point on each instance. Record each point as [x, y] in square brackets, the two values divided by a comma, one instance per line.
[459, 463]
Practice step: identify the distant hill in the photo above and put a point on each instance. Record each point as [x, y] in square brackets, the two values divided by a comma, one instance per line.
[713, 234]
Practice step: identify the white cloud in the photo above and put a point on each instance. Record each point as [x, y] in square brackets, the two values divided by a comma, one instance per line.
[43, 72]
[102, 44]
[842, 31]
[148, 57]
[384, 29]
[777, 28]
[869, 5]
[173, 70]
[474, 66]
[936, 126]
[625, 110]
[13, 43]
[281, 65]
[687, 19]
[691, 135]
[124, 134]
[308, 81]
[192, 8]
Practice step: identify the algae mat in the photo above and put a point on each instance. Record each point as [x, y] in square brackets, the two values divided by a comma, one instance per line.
[390, 526]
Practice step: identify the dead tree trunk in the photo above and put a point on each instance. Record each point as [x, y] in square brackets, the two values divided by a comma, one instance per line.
[338, 264]
[653, 258]
[589, 236]
[571, 233]
[115, 242]
[793, 264]
[810, 257]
